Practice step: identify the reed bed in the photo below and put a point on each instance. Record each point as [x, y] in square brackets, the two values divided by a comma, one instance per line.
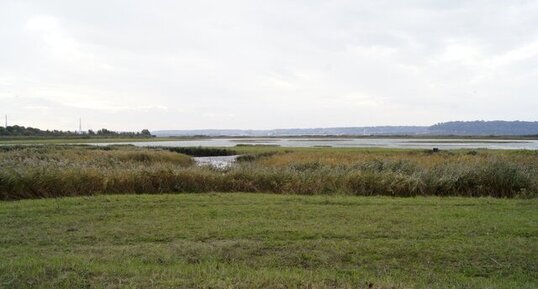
[54, 171]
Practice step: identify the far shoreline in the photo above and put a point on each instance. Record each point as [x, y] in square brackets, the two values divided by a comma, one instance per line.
[418, 138]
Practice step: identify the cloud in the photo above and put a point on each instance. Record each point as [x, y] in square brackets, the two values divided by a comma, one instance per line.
[517, 54]
[260, 64]
[36, 107]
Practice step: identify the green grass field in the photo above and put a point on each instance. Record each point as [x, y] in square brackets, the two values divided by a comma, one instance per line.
[241, 240]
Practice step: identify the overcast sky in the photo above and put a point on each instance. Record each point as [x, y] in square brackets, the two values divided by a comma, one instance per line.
[128, 65]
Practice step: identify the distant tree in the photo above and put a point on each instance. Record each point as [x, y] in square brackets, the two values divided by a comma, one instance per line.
[104, 132]
[17, 131]
[145, 132]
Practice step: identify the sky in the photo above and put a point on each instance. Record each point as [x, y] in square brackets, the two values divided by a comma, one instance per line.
[130, 65]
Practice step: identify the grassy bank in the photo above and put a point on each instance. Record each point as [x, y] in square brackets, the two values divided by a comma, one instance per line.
[268, 241]
[54, 171]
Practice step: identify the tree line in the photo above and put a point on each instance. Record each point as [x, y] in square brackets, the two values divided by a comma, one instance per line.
[16, 131]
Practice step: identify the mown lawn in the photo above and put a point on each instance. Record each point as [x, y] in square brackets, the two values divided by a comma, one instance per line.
[240, 240]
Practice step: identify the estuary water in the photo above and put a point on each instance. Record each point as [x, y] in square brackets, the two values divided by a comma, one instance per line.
[411, 143]
[220, 162]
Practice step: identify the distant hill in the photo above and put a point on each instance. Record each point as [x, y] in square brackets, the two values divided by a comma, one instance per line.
[497, 127]
[464, 128]
[378, 130]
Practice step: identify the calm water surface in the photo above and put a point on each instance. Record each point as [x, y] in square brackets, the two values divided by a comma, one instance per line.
[349, 142]
[220, 162]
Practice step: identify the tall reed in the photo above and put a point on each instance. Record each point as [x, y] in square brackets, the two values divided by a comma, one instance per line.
[54, 171]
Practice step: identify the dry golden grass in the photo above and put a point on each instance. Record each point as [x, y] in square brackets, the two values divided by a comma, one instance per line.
[53, 171]
[425, 159]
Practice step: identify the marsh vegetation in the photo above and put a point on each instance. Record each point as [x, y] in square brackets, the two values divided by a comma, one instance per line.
[53, 171]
